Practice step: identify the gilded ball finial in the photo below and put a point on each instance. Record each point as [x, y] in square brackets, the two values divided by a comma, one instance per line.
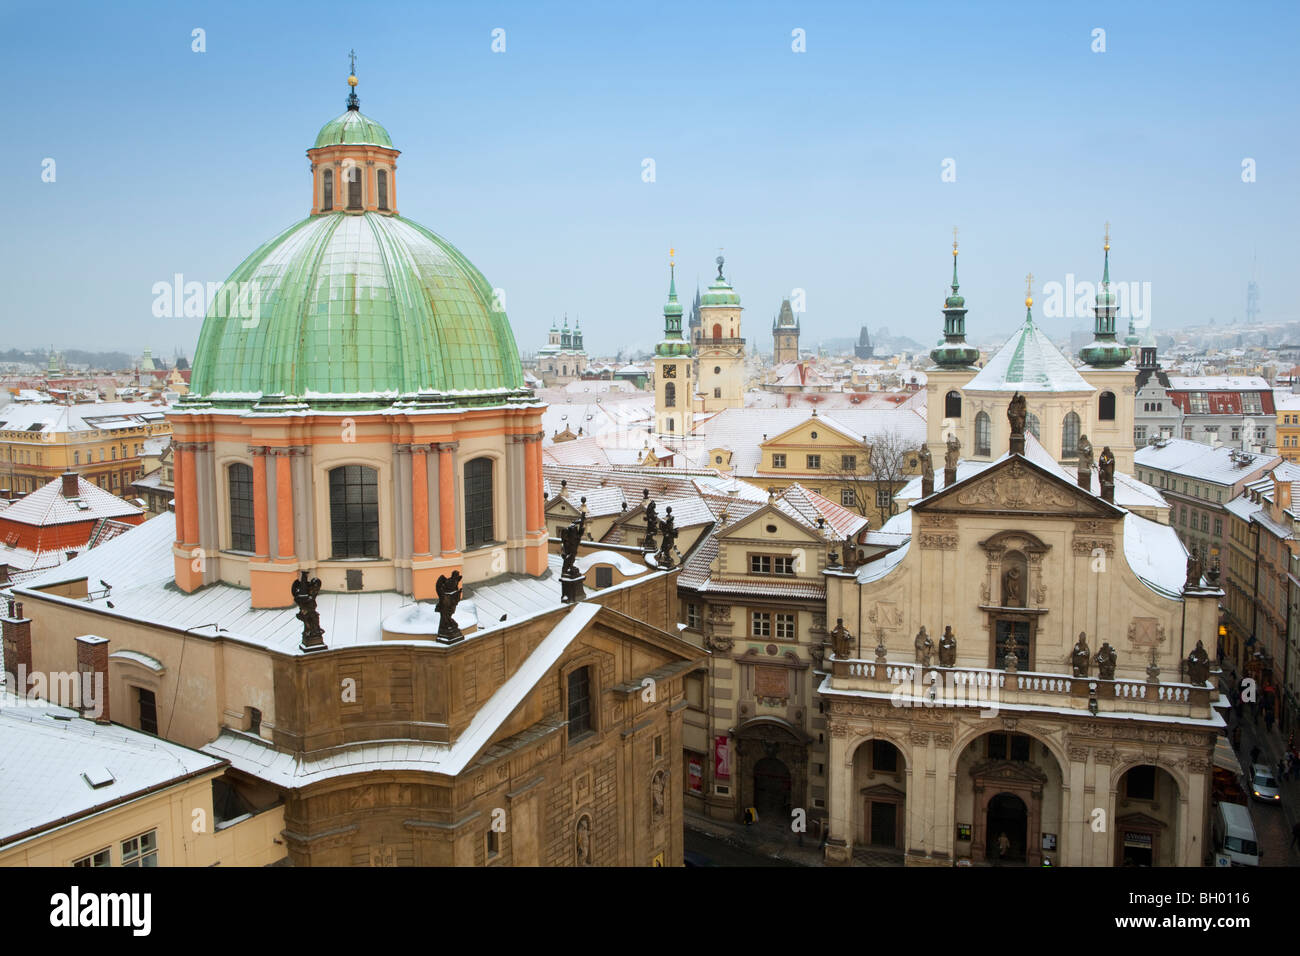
[352, 79]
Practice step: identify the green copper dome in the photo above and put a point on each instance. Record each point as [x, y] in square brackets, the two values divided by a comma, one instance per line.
[353, 128]
[347, 310]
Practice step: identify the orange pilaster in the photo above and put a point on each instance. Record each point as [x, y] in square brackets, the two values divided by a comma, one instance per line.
[283, 507]
[420, 501]
[261, 522]
[532, 484]
[190, 498]
[447, 500]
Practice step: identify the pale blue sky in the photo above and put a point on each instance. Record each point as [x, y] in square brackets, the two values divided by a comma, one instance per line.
[817, 170]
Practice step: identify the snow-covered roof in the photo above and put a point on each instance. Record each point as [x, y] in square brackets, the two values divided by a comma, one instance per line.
[51, 418]
[1155, 554]
[1192, 459]
[1028, 362]
[47, 506]
[45, 749]
[1218, 383]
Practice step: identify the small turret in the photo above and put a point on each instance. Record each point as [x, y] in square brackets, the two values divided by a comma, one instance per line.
[953, 352]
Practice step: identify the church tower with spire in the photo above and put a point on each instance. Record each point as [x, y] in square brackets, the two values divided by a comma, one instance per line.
[720, 352]
[954, 366]
[785, 335]
[1107, 368]
[672, 377]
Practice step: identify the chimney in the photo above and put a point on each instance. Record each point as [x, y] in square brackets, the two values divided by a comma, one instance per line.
[17, 631]
[1281, 494]
[70, 489]
[92, 666]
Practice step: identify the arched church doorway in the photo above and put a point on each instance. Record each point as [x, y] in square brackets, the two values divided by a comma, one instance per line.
[1008, 828]
[771, 789]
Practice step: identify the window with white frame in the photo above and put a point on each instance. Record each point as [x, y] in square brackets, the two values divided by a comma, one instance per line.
[141, 850]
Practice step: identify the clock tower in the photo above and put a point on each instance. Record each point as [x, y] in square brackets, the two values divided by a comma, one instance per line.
[672, 380]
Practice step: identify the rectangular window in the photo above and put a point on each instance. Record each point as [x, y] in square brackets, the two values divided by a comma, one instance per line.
[783, 564]
[1187, 433]
[760, 624]
[148, 709]
[354, 512]
[883, 497]
[1139, 434]
[849, 463]
[1251, 404]
[814, 462]
[1218, 527]
[848, 498]
[604, 577]
[1200, 403]
[241, 508]
[1236, 433]
[98, 858]
[692, 615]
[493, 844]
[141, 850]
[478, 503]
[579, 703]
[884, 757]
[785, 629]
[778, 461]
[760, 564]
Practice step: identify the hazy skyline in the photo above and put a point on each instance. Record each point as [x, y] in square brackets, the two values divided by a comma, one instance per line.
[818, 170]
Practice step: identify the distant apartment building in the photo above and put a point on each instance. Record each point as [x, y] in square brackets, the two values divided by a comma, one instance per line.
[1155, 415]
[1198, 481]
[1288, 424]
[1260, 586]
[1228, 409]
[103, 442]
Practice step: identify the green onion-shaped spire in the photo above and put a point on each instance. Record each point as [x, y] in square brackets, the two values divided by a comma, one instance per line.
[673, 343]
[1104, 351]
[952, 351]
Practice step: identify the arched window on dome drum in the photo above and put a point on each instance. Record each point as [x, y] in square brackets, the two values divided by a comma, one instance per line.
[1031, 424]
[670, 395]
[327, 180]
[952, 405]
[1106, 407]
[478, 503]
[354, 188]
[381, 178]
[1070, 436]
[354, 512]
[240, 479]
[983, 434]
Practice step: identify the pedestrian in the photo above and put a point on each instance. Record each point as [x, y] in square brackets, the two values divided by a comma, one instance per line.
[1254, 755]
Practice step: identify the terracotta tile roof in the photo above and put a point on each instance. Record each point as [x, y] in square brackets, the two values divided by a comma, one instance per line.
[46, 505]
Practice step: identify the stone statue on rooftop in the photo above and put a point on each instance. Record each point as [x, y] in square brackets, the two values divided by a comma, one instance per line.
[948, 648]
[1085, 454]
[1017, 413]
[651, 525]
[927, 467]
[1194, 570]
[952, 453]
[1106, 474]
[841, 640]
[570, 538]
[1080, 657]
[449, 595]
[1105, 661]
[924, 647]
[668, 540]
[1198, 665]
[304, 591]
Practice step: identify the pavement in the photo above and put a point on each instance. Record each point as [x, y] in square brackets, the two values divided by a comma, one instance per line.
[1272, 823]
[769, 840]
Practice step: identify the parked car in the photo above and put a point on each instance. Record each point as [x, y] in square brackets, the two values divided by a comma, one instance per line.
[1234, 835]
[1263, 785]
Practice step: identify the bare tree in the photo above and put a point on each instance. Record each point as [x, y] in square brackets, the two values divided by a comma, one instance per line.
[876, 472]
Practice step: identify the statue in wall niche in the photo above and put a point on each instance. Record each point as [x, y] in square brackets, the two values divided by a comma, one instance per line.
[449, 595]
[1106, 473]
[841, 640]
[1017, 414]
[924, 647]
[1198, 665]
[1013, 588]
[952, 453]
[1194, 570]
[651, 525]
[948, 648]
[1080, 657]
[584, 841]
[658, 788]
[304, 591]
[1105, 661]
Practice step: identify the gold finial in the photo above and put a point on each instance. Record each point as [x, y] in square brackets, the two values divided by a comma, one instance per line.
[1029, 290]
[1107, 246]
[954, 240]
[352, 68]
[671, 253]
